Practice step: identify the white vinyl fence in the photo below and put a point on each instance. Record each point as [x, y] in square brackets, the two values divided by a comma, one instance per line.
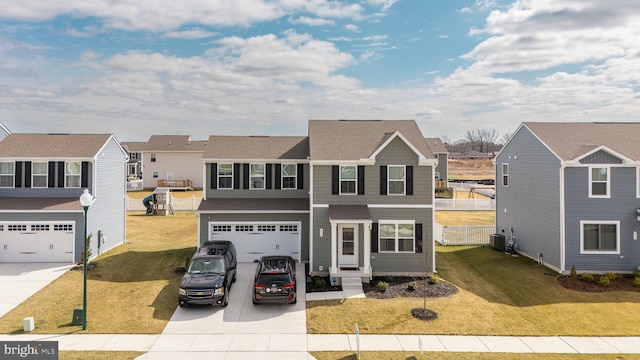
[465, 204]
[179, 204]
[463, 235]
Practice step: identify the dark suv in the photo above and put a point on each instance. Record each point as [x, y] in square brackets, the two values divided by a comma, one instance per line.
[209, 276]
[275, 280]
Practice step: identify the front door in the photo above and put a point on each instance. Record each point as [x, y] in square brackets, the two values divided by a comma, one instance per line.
[348, 245]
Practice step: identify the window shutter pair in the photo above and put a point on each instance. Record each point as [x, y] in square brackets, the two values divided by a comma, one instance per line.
[335, 180]
[408, 182]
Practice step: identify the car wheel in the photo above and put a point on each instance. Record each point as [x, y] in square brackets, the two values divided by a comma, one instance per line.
[295, 300]
[255, 302]
[225, 299]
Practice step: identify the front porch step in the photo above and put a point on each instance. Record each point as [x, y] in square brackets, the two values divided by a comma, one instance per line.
[352, 287]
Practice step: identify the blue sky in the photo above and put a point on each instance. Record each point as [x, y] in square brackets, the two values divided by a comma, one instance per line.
[136, 68]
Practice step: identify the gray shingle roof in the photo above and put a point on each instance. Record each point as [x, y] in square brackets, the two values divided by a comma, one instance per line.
[359, 139]
[436, 145]
[258, 204]
[349, 212]
[257, 147]
[40, 203]
[572, 140]
[168, 143]
[52, 145]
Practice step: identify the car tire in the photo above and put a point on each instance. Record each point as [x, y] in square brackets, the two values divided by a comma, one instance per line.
[225, 298]
[255, 302]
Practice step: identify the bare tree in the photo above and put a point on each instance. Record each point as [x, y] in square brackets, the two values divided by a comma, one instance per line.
[481, 140]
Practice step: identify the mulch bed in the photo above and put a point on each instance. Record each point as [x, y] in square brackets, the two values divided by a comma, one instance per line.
[399, 287]
[621, 283]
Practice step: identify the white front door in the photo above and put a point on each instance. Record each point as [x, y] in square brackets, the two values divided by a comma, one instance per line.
[348, 245]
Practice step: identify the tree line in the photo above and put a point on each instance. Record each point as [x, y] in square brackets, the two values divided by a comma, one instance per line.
[481, 140]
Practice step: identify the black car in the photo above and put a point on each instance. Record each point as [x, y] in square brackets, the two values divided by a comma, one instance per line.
[209, 276]
[275, 280]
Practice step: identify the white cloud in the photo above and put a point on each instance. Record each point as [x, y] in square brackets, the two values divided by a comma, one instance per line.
[384, 4]
[352, 27]
[195, 33]
[311, 21]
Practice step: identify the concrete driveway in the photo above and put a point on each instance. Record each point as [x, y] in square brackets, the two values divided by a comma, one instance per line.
[18, 281]
[241, 328]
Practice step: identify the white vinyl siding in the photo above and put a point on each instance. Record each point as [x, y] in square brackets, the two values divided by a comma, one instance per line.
[39, 174]
[256, 173]
[600, 237]
[599, 182]
[225, 176]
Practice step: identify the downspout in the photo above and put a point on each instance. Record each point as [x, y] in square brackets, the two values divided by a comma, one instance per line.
[310, 218]
[562, 219]
[433, 219]
[204, 180]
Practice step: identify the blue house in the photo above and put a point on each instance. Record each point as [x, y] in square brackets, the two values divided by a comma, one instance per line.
[569, 195]
[41, 179]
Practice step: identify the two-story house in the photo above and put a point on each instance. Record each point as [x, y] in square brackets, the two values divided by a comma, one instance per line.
[41, 179]
[441, 153]
[352, 198]
[569, 194]
[166, 157]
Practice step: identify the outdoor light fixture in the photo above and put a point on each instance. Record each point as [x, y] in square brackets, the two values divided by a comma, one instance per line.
[85, 200]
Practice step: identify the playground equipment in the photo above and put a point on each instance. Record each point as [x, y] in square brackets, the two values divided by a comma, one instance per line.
[159, 202]
[474, 189]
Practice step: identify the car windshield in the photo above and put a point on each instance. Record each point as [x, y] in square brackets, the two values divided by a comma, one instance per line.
[206, 266]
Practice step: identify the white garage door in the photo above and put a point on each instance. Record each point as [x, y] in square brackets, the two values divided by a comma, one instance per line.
[253, 240]
[44, 241]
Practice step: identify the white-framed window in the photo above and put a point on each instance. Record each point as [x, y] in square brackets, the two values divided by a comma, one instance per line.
[505, 175]
[599, 182]
[396, 236]
[289, 176]
[225, 176]
[348, 180]
[396, 179]
[599, 237]
[256, 176]
[134, 156]
[7, 174]
[72, 172]
[154, 157]
[155, 175]
[39, 174]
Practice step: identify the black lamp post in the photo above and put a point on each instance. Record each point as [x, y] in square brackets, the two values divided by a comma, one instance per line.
[85, 200]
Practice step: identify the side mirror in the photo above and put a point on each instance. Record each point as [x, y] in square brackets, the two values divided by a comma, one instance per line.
[182, 269]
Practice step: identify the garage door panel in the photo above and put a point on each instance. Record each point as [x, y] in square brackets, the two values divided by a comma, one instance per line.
[37, 242]
[254, 240]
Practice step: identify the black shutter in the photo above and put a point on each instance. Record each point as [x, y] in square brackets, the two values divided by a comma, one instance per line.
[383, 180]
[418, 237]
[268, 175]
[360, 179]
[300, 174]
[374, 237]
[84, 175]
[51, 181]
[213, 182]
[409, 180]
[18, 174]
[236, 176]
[278, 170]
[60, 174]
[335, 180]
[245, 176]
[27, 174]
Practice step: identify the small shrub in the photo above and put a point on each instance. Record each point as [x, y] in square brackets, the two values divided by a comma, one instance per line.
[412, 286]
[387, 278]
[587, 277]
[382, 286]
[636, 274]
[604, 281]
[319, 283]
[636, 281]
[610, 275]
[434, 279]
[574, 274]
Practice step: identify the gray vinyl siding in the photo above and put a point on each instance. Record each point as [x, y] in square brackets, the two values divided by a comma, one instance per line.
[531, 203]
[266, 193]
[601, 157]
[258, 217]
[443, 166]
[107, 214]
[621, 206]
[61, 192]
[322, 245]
[396, 153]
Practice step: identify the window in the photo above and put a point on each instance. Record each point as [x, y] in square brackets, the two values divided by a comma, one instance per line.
[347, 180]
[220, 228]
[7, 173]
[134, 156]
[154, 157]
[72, 171]
[62, 227]
[244, 228]
[155, 175]
[225, 176]
[505, 175]
[256, 176]
[600, 237]
[289, 176]
[396, 180]
[396, 237]
[263, 228]
[599, 180]
[39, 174]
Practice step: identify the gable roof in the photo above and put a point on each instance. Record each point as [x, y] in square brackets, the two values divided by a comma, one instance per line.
[166, 143]
[53, 145]
[355, 140]
[436, 145]
[257, 148]
[571, 141]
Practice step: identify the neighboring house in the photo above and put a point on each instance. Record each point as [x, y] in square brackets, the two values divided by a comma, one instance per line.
[354, 198]
[41, 179]
[442, 154]
[569, 193]
[166, 157]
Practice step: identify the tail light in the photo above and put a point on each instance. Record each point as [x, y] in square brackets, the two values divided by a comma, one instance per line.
[259, 287]
[290, 285]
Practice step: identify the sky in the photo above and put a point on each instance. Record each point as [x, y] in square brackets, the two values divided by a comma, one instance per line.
[136, 68]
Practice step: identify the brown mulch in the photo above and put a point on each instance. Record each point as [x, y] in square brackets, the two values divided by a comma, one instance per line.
[621, 283]
[399, 287]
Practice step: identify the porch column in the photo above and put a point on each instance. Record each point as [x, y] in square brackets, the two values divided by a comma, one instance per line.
[334, 243]
[367, 246]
